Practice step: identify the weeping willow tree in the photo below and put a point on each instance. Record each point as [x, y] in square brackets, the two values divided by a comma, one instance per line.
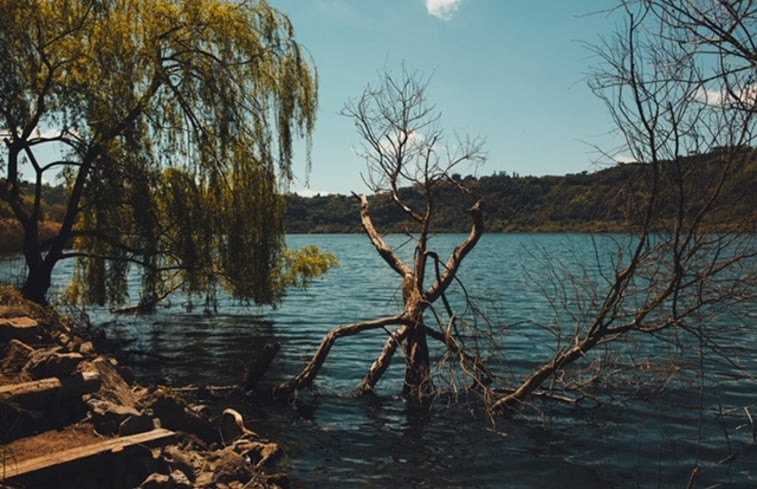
[174, 121]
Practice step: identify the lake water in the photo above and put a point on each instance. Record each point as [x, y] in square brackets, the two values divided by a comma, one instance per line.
[334, 440]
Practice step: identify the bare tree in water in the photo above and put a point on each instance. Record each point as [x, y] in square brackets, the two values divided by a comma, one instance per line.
[404, 146]
[680, 83]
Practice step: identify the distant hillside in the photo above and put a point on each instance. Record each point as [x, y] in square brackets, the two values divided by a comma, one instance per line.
[595, 202]
[53, 201]
[586, 202]
[12, 237]
[53, 210]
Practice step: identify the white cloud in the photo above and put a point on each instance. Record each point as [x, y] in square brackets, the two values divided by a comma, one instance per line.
[745, 96]
[413, 142]
[443, 9]
[621, 158]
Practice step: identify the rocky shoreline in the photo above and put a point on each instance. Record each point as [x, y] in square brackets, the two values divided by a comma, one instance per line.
[71, 417]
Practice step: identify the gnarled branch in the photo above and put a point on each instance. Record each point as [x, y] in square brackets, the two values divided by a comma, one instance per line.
[378, 242]
[309, 373]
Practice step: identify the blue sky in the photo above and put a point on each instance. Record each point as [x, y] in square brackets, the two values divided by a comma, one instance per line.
[512, 71]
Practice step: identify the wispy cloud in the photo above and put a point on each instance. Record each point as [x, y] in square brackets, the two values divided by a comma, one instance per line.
[443, 9]
[622, 159]
[412, 141]
[745, 96]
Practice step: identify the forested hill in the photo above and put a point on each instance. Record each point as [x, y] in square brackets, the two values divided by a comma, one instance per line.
[600, 201]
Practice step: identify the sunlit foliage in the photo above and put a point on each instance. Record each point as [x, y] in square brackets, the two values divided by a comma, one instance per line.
[178, 119]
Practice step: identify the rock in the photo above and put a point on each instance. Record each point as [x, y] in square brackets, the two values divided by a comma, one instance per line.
[28, 396]
[205, 479]
[180, 480]
[20, 328]
[34, 406]
[174, 415]
[114, 389]
[65, 340]
[183, 462]
[227, 465]
[157, 481]
[67, 370]
[50, 362]
[17, 355]
[258, 453]
[80, 383]
[107, 416]
[134, 424]
[86, 348]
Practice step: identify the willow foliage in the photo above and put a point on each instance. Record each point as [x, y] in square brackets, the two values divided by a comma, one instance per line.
[178, 119]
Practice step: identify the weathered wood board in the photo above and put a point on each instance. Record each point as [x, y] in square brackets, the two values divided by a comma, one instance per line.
[52, 460]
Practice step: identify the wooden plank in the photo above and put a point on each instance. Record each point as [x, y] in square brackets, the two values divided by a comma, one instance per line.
[114, 445]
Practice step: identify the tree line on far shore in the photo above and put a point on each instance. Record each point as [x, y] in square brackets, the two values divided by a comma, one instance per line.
[585, 202]
[53, 209]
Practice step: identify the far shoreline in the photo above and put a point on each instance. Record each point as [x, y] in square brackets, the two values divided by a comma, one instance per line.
[12, 238]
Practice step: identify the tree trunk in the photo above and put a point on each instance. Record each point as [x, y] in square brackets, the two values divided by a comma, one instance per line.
[259, 364]
[418, 387]
[39, 277]
[38, 283]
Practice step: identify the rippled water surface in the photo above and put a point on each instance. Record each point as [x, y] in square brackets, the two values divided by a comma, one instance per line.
[334, 440]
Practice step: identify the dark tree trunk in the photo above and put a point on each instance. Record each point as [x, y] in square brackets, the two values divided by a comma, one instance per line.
[38, 283]
[40, 270]
[38, 276]
[418, 387]
[258, 366]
